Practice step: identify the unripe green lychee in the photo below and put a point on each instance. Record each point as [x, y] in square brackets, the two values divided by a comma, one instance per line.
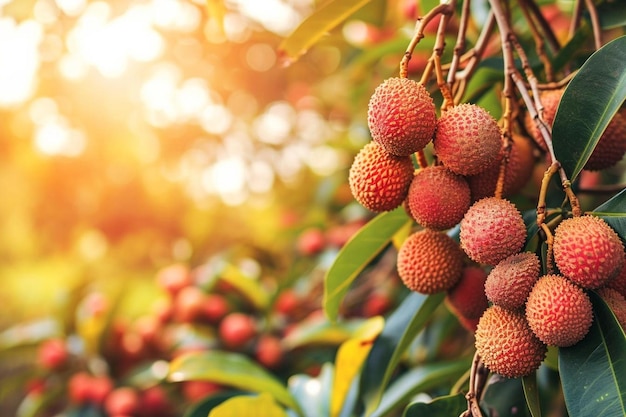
[510, 281]
[550, 100]
[378, 180]
[558, 311]
[467, 139]
[588, 251]
[429, 262]
[611, 146]
[506, 344]
[491, 230]
[401, 116]
[438, 198]
[467, 298]
[519, 170]
[616, 302]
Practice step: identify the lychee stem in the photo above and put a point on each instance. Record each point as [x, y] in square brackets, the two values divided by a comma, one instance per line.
[477, 382]
[543, 191]
[446, 10]
[549, 253]
[459, 47]
[540, 45]
[595, 23]
[420, 157]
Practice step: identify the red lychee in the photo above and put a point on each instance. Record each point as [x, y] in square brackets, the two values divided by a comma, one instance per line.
[512, 279]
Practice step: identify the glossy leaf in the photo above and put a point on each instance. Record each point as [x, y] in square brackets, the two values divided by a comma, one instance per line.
[262, 405]
[320, 332]
[229, 369]
[204, 406]
[248, 287]
[589, 102]
[419, 379]
[350, 357]
[531, 392]
[313, 28]
[593, 371]
[614, 213]
[505, 396]
[357, 253]
[612, 14]
[449, 405]
[400, 330]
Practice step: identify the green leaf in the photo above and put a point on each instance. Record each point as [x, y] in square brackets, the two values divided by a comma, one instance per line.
[400, 330]
[531, 392]
[419, 379]
[589, 102]
[449, 405]
[326, 18]
[614, 213]
[262, 405]
[593, 371]
[505, 396]
[230, 369]
[204, 406]
[247, 286]
[612, 14]
[357, 253]
[320, 332]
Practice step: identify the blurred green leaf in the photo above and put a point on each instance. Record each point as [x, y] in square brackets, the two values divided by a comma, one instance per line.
[612, 14]
[320, 332]
[481, 82]
[593, 371]
[419, 379]
[505, 396]
[357, 253]
[449, 405]
[531, 392]
[589, 102]
[614, 213]
[572, 49]
[262, 405]
[326, 18]
[28, 334]
[248, 287]
[204, 406]
[230, 369]
[400, 330]
[349, 360]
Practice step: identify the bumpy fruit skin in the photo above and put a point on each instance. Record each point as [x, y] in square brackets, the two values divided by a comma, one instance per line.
[401, 116]
[438, 198]
[467, 298]
[511, 280]
[611, 146]
[588, 251]
[378, 180]
[506, 344]
[558, 311]
[616, 302]
[430, 262]
[519, 170]
[467, 139]
[491, 230]
[550, 100]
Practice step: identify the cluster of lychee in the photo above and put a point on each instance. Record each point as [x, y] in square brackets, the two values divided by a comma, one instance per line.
[493, 286]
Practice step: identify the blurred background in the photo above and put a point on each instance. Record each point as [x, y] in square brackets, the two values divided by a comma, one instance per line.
[139, 133]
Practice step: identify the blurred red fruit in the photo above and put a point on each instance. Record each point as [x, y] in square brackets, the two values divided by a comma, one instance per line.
[237, 329]
[286, 302]
[155, 401]
[78, 387]
[122, 401]
[189, 304]
[194, 391]
[269, 351]
[377, 304]
[311, 241]
[99, 388]
[174, 278]
[215, 307]
[52, 354]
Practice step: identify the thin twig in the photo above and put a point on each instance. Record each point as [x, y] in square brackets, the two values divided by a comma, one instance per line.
[459, 47]
[595, 23]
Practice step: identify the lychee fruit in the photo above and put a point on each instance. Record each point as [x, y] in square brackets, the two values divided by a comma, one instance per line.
[611, 146]
[429, 262]
[401, 116]
[467, 139]
[237, 329]
[616, 302]
[558, 311]
[378, 180]
[588, 251]
[506, 344]
[53, 354]
[174, 278]
[122, 401]
[619, 282]
[438, 198]
[519, 170]
[511, 280]
[491, 230]
[467, 298]
[550, 100]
